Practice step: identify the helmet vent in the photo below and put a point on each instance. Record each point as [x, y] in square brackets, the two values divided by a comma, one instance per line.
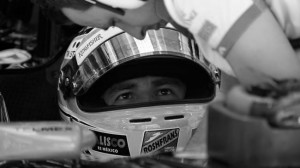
[140, 120]
[174, 117]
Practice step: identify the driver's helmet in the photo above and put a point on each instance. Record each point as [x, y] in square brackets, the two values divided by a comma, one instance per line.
[96, 59]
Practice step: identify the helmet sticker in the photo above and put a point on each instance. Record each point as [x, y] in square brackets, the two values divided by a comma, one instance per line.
[159, 141]
[70, 53]
[95, 38]
[112, 144]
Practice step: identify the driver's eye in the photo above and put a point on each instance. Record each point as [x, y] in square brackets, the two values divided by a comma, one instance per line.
[163, 92]
[124, 96]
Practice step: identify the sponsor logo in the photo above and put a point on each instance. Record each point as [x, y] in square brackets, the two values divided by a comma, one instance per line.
[52, 129]
[45, 129]
[69, 54]
[160, 141]
[89, 44]
[112, 144]
[92, 40]
[207, 30]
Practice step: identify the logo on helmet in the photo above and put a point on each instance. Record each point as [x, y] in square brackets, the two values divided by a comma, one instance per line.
[160, 141]
[112, 144]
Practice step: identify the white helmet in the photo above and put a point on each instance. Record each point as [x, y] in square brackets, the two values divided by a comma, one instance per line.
[97, 58]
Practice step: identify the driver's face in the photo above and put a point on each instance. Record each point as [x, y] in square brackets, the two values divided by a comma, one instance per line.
[144, 89]
[135, 22]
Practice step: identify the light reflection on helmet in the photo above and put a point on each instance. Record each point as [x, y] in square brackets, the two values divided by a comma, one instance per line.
[97, 58]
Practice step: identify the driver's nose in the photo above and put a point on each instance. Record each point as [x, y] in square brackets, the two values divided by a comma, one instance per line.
[146, 97]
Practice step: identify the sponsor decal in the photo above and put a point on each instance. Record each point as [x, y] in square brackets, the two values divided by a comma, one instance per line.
[53, 129]
[87, 47]
[112, 144]
[93, 40]
[45, 129]
[69, 54]
[207, 30]
[159, 141]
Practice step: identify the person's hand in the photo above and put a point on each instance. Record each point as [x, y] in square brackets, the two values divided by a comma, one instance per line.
[14, 56]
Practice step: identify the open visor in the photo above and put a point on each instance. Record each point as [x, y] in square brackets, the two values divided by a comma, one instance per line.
[79, 74]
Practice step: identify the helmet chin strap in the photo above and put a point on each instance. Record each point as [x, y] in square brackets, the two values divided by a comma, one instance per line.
[118, 11]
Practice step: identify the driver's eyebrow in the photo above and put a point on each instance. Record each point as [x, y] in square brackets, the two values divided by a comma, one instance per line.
[121, 86]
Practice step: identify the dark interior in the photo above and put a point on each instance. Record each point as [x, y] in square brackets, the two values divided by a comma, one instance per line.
[30, 92]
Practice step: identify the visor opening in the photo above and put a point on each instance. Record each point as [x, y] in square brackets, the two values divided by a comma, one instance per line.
[140, 120]
[199, 83]
[174, 117]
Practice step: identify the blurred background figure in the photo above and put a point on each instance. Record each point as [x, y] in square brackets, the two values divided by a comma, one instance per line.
[11, 57]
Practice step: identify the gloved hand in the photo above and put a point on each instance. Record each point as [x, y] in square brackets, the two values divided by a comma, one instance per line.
[280, 105]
